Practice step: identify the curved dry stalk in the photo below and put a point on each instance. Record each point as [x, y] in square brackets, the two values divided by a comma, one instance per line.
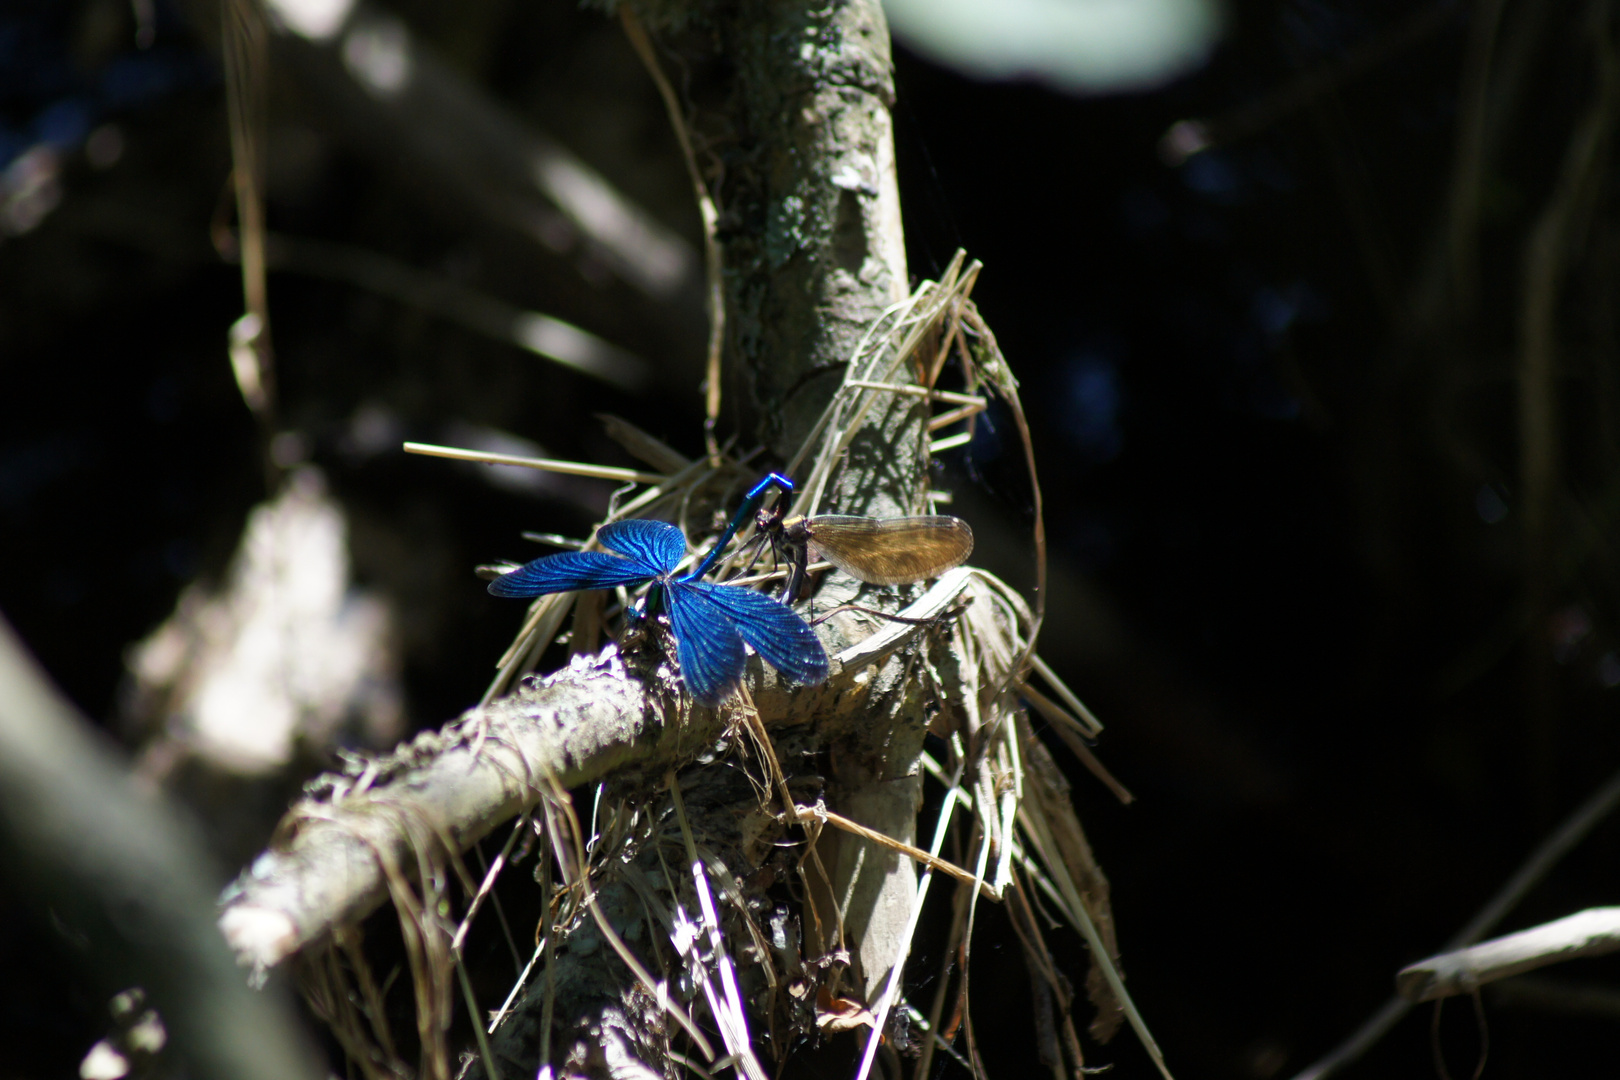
[714, 268]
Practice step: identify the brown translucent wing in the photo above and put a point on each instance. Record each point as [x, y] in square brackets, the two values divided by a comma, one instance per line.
[890, 551]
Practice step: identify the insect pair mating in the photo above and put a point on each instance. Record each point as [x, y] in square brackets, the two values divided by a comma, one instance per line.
[711, 622]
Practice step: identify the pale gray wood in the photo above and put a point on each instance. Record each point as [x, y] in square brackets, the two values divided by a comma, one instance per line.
[1592, 932]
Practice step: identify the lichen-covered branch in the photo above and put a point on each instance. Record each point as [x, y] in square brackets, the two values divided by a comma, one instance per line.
[810, 203]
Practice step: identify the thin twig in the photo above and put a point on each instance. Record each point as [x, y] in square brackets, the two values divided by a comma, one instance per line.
[916, 854]
[1599, 805]
[570, 468]
[1592, 932]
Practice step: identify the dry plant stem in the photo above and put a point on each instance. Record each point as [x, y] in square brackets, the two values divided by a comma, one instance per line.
[1067, 728]
[571, 468]
[331, 998]
[1599, 805]
[879, 355]
[1055, 837]
[245, 41]
[733, 1019]
[1043, 968]
[954, 948]
[930, 860]
[946, 419]
[540, 627]
[714, 294]
[1588, 933]
[348, 941]
[486, 885]
[1094, 726]
[967, 953]
[999, 376]
[491, 1070]
[549, 945]
[1551, 245]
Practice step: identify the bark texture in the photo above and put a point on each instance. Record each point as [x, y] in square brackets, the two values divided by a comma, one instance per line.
[810, 205]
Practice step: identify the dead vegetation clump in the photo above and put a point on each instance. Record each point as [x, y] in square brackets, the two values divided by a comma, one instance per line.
[744, 878]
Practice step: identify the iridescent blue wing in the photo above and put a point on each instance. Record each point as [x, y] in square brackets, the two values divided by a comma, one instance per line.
[776, 633]
[709, 646]
[568, 571]
[657, 543]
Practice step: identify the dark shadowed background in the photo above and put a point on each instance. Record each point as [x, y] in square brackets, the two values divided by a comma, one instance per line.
[1353, 658]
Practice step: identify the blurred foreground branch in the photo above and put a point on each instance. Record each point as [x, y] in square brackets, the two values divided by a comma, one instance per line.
[119, 866]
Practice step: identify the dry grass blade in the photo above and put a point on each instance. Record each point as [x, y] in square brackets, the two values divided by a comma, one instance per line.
[731, 1016]
[570, 468]
[246, 64]
[642, 446]
[714, 278]
[946, 419]
[517, 987]
[882, 352]
[972, 401]
[486, 885]
[1055, 837]
[890, 991]
[491, 1070]
[1070, 731]
[355, 1015]
[991, 366]
[1093, 726]
[540, 628]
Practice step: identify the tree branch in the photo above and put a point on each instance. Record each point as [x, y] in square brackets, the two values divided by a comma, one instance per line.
[123, 870]
[456, 784]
